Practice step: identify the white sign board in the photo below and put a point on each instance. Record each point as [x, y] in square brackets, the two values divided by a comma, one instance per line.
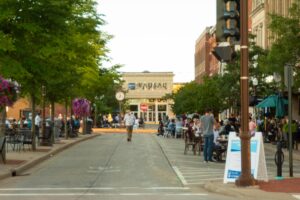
[233, 158]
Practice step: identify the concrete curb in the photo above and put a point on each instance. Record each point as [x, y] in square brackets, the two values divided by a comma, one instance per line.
[252, 192]
[20, 169]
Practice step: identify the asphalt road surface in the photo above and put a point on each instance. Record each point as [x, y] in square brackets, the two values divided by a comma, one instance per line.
[106, 167]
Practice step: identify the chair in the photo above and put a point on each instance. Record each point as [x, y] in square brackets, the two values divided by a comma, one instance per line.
[178, 132]
[199, 144]
[167, 132]
[13, 139]
[189, 140]
[26, 136]
[220, 150]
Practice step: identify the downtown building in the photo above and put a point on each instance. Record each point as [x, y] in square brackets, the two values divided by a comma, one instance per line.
[144, 92]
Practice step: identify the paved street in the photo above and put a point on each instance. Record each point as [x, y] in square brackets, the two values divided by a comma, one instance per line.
[105, 167]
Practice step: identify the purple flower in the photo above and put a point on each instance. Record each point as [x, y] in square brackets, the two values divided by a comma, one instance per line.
[8, 93]
[81, 107]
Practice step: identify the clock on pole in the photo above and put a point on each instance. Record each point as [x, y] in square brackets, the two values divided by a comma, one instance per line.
[120, 96]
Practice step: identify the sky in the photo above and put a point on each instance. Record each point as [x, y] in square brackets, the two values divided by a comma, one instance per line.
[156, 35]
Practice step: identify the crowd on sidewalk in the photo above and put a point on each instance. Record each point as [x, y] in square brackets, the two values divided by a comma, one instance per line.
[194, 125]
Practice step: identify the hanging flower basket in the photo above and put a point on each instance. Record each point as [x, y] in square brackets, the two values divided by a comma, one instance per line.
[8, 93]
[81, 107]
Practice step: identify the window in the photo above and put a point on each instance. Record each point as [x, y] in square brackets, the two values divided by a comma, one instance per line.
[133, 107]
[162, 107]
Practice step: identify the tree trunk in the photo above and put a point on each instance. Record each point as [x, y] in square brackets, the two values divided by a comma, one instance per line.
[2, 133]
[65, 119]
[52, 122]
[33, 122]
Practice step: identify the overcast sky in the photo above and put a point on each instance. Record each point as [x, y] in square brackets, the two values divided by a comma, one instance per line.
[156, 35]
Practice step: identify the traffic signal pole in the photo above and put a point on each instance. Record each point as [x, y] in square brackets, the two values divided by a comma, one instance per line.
[245, 178]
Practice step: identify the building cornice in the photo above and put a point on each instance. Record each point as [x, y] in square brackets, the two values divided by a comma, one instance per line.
[157, 74]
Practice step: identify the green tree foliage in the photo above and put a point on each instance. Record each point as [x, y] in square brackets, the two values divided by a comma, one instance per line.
[58, 44]
[194, 97]
[286, 43]
[109, 82]
[210, 96]
[186, 99]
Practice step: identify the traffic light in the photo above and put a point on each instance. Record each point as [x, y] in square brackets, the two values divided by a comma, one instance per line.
[228, 21]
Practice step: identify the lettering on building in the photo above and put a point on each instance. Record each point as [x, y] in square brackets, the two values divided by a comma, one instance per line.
[147, 86]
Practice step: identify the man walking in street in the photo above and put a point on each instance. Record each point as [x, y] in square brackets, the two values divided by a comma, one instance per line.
[207, 123]
[129, 120]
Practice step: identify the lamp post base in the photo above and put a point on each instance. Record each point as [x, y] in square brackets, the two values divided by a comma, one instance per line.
[244, 181]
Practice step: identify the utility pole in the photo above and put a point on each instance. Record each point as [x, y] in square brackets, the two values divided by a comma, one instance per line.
[245, 179]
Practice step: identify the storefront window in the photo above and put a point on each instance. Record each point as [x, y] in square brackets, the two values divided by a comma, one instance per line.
[162, 107]
[151, 107]
[133, 108]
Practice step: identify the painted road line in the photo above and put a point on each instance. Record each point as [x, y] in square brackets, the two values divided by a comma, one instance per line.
[107, 194]
[202, 175]
[187, 194]
[167, 188]
[179, 175]
[44, 189]
[210, 179]
[88, 188]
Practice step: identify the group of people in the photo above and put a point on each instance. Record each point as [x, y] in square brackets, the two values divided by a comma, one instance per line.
[204, 127]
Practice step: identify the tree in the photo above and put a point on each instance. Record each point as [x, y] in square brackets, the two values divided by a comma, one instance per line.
[286, 43]
[53, 43]
[186, 99]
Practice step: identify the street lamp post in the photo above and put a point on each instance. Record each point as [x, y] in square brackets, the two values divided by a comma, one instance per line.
[245, 178]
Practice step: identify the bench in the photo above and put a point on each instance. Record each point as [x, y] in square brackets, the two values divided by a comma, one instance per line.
[2, 148]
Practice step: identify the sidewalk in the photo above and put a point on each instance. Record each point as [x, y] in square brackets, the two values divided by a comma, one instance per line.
[271, 190]
[19, 161]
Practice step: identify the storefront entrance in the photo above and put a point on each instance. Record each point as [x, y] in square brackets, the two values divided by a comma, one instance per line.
[153, 115]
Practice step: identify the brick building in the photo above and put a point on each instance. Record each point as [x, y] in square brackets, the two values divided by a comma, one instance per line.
[205, 62]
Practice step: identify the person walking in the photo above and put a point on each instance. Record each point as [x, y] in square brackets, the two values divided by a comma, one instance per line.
[129, 120]
[207, 123]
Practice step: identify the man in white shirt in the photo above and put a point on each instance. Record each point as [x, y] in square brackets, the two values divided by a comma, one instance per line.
[129, 120]
[37, 124]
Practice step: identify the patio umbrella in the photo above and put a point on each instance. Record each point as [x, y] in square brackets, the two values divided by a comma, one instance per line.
[280, 102]
[275, 101]
[270, 101]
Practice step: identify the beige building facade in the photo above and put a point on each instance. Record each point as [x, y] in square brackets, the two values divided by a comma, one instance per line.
[260, 19]
[144, 91]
